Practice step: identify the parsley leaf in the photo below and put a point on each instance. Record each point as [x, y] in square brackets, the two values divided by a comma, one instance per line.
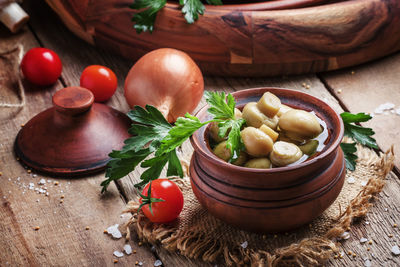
[150, 128]
[214, 2]
[183, 129]
[360, 134]
[191, 9]
[221, 106]
[349, 150]
[144, 20]
[234, 142]
[121, 164]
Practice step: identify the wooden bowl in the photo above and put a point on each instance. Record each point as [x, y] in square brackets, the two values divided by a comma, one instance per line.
[276, 199]
[264, 38]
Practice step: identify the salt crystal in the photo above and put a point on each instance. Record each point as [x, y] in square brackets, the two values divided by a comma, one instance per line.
[114, 231]
[140, 263]
[345, 235]
[128, 249]
[37, 200]
[49, 181]
[351, 180]
[244, 244]
[386, 209]
[41, 191]
[398, 111]
[4, 197]
[157, 263]
[18, 178]
[364, 183]
[47, 193]
[36, 189]
[367, 263]
[383, 107]
[118, 254]
[34, 175]
[363, 240]
[69, 183]
[396, 250]
[366, 222]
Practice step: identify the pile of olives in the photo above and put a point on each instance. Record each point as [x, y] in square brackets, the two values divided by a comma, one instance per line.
[275, 135]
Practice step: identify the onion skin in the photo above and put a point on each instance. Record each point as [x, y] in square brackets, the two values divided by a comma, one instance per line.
[167, 79]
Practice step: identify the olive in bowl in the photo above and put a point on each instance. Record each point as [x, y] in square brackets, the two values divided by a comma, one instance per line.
[256, 197]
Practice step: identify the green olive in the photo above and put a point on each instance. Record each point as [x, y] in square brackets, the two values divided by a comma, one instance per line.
[299, 125]
[255, 118]
[259, 163]
[214, 129]
[269, 104]
[256, 142]
[283, 110]
[285, 153]
[222, 152]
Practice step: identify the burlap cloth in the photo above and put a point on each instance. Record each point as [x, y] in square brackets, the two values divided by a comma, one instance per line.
[197, 234]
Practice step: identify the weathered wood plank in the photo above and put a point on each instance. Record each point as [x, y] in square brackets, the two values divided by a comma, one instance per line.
[369, 86]
[62, 239]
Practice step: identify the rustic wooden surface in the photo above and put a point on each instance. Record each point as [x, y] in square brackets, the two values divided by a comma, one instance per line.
[247, 42]
[63, 239]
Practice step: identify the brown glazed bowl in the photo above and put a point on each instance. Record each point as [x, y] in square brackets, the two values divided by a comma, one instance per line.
[277, 199]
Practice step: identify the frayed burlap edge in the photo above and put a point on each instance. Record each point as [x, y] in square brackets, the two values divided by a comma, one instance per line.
[308, 252]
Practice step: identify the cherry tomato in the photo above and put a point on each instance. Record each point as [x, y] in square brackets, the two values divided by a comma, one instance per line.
[167, 210]
[41, 66]
[100, 80]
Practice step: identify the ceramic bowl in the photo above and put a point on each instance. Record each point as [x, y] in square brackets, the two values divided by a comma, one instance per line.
[271, 200]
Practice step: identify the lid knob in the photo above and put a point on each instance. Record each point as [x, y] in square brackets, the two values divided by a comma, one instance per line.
[73, 100]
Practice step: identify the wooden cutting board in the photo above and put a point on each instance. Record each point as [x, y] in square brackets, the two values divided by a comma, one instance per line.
[260, 39]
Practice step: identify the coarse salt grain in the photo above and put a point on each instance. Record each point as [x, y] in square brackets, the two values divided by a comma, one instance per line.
[396, 250]
[42, 182]
[363, 240]
[367, 263]
[364, 183]
[157, 263]
[351, 180]
[128, 249]
[118, 254]
[345, 235]
[114, 231]
[244, 244]
[384, 107]
[398, 111]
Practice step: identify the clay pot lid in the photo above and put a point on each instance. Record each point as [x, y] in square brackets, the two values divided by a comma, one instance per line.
[74, 137]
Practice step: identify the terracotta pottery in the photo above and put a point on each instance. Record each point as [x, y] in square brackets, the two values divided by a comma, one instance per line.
[259, 38]
[277, 199]
[72, 138]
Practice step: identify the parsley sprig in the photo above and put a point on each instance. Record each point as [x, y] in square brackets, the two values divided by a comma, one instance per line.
[145, 19]
[358, 133]
[154, 141]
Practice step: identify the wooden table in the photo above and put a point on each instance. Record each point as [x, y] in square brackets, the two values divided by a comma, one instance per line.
[71, 232]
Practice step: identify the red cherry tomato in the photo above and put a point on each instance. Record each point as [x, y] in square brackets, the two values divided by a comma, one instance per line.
[41, 66]
[100, 80]
[167, 210]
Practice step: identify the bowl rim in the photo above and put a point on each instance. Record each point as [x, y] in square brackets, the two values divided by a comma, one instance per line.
[332, 148]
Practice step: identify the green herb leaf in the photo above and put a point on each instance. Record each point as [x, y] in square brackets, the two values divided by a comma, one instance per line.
[221, 106]
[349, 150]
[214, 2]
[144, 20]
[156, 164]
[150, 128]
[183, 129]
[191, 9]
[234, 142]
[122, 163]
[348, 117]
[360, 134]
